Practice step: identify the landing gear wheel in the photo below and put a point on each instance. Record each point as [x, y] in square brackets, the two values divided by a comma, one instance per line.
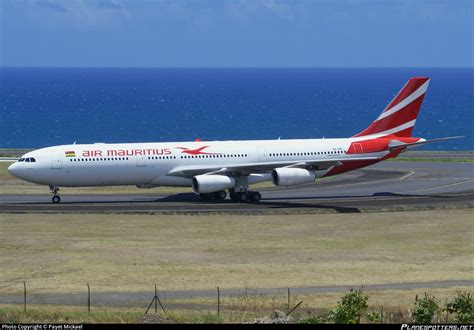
[243, 197]
[222, 194]
[216, 196]
[234, 196]
[255, 196]
[54, 190]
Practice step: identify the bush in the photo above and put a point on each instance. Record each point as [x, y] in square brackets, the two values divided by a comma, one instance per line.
[425, 309]
[311, 320]
[349, 308]
[463, 306]
[374, 317]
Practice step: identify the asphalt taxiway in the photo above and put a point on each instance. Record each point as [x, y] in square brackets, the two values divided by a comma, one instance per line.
[387, 185]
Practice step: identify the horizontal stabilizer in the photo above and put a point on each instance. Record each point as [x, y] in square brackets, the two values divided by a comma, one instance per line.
[394, 144]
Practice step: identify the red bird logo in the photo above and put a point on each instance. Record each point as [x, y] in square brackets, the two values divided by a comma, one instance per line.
[198, 151]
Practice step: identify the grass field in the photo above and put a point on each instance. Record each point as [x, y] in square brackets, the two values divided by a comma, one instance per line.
[60, 253]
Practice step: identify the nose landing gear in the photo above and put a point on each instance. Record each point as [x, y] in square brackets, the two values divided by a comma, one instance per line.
[54, 190]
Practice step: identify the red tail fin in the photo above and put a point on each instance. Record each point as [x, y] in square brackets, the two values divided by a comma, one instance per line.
[399, 116]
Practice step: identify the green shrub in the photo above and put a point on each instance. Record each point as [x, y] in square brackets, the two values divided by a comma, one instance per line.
[349, 308]
[373, 317]
[463, 307]
[313, 319]
[425, 309]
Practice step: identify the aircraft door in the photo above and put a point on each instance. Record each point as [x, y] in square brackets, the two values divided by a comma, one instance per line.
[56, 160]
[358, 148]
[262, 155]
[141, 161]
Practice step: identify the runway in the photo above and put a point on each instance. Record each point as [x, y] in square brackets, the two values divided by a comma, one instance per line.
[384, 186]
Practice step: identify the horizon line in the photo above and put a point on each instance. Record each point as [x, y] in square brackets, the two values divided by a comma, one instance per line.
[231, 67]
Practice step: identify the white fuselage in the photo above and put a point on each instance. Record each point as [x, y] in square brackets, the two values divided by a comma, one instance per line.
[149, 164]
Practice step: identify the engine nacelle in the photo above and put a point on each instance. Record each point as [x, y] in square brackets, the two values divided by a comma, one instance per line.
[203, 184]
[287, 176]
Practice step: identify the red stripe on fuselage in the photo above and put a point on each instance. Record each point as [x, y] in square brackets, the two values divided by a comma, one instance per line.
[367, 147]
[349, 166]
[353, 165]
[376, 145]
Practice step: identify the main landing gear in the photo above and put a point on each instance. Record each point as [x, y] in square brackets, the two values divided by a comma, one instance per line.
[245, 196]
[241, 196]
[54, 190]
[241, 193]
[216, 196]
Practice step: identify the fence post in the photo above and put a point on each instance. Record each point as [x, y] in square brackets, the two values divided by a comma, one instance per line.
[88, 298]
[218, 302]
[447, 312]
[288, 308]
[156, 300]
[24, 296]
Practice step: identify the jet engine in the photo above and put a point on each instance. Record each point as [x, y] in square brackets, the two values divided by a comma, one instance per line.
[203, 184]
[286, 176]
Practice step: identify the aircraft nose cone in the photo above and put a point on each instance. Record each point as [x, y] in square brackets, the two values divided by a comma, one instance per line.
[14, 170]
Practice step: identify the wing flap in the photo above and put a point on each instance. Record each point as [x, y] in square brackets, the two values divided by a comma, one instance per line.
[255, 168]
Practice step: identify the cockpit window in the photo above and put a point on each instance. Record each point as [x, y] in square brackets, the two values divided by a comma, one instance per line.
[28, 160]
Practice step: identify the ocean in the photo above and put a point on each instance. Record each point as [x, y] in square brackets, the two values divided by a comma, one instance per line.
[41, 107]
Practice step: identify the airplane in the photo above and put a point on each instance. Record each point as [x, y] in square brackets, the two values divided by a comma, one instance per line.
[212, 167]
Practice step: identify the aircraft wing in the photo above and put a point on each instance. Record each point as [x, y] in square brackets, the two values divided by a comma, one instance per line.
[254, 168]
[394, 144]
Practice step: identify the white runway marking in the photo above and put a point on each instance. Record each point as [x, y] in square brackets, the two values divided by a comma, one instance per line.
[443, 186]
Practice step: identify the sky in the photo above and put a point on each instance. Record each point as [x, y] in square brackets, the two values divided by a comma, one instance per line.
[236, 33]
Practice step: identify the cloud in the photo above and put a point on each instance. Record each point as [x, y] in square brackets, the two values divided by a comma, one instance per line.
[80, 12]
[106, 4]
[56, 6]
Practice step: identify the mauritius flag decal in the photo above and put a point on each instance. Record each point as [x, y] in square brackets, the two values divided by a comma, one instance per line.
[70, 154]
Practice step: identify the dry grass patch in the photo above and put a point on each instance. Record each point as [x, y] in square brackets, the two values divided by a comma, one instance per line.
[60, 253]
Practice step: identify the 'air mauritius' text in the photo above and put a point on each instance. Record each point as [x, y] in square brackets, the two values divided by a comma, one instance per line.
[125, 152]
